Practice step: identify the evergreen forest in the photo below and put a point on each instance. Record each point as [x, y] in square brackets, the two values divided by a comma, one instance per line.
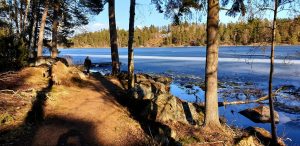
[251, 32]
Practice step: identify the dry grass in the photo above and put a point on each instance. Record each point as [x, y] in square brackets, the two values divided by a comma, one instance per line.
[34, 76]
[14, 107]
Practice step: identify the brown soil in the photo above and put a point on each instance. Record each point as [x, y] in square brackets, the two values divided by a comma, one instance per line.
[83, 114]
[94, 111]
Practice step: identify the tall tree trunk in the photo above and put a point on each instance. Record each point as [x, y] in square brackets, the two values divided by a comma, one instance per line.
[130, 48]
[54, 51]
[21, 17]
[11, 18]
[35, 36]
[113, 38]
[26, 13]
[42, 30]
[16, 16]
[273, 126]
[31, 28]
[211, 68]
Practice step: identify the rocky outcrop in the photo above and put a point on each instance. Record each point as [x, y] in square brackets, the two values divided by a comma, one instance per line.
[161, 105]
[263, 135]
[168, 108]
[159, 88]
[61, 74]
[260, 114]
[148, 87]
[144, 91]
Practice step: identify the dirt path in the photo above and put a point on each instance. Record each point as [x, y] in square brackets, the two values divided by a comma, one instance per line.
[86, 115]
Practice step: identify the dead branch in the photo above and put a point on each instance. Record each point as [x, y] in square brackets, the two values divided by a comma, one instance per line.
[249, 101]
[224, 103]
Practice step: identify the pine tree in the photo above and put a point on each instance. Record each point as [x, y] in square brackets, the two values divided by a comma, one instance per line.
[130, 47]
[113, 38]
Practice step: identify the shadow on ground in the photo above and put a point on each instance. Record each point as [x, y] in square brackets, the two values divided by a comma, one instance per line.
[23, 134]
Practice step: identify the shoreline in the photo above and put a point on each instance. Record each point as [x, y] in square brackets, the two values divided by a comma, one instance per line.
[176, 47]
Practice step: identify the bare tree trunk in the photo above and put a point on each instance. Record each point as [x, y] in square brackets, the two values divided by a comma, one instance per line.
[31, 28]
[11, 18]
[273, 126]
[42, 30]
[21, 17]
[211, 69]
[113, 38]
[54, 51]
[26, 13]
[16, 16]
[130, 48]
[35, 36]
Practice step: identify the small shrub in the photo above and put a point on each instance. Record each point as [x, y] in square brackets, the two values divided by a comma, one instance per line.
[13, 51]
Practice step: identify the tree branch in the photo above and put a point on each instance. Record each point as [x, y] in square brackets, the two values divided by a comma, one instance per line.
[249, 101]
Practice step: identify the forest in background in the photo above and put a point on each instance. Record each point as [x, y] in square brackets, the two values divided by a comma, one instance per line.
[252, 32]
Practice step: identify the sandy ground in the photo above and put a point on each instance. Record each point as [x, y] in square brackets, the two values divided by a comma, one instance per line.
[83, 114]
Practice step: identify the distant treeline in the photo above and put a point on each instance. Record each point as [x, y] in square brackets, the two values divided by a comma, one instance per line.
[252, 32]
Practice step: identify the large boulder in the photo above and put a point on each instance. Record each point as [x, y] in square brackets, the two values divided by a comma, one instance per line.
[263, 135]
[260, 114]
[166, 108]
[61, 74]
[161, 106]
[166, 81]
[148, 88]
[159, 88]
[144, 90]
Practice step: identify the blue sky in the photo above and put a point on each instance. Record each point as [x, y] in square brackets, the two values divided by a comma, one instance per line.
[146, 15]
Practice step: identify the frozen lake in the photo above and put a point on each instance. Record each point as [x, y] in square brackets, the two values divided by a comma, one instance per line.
[240, 63]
